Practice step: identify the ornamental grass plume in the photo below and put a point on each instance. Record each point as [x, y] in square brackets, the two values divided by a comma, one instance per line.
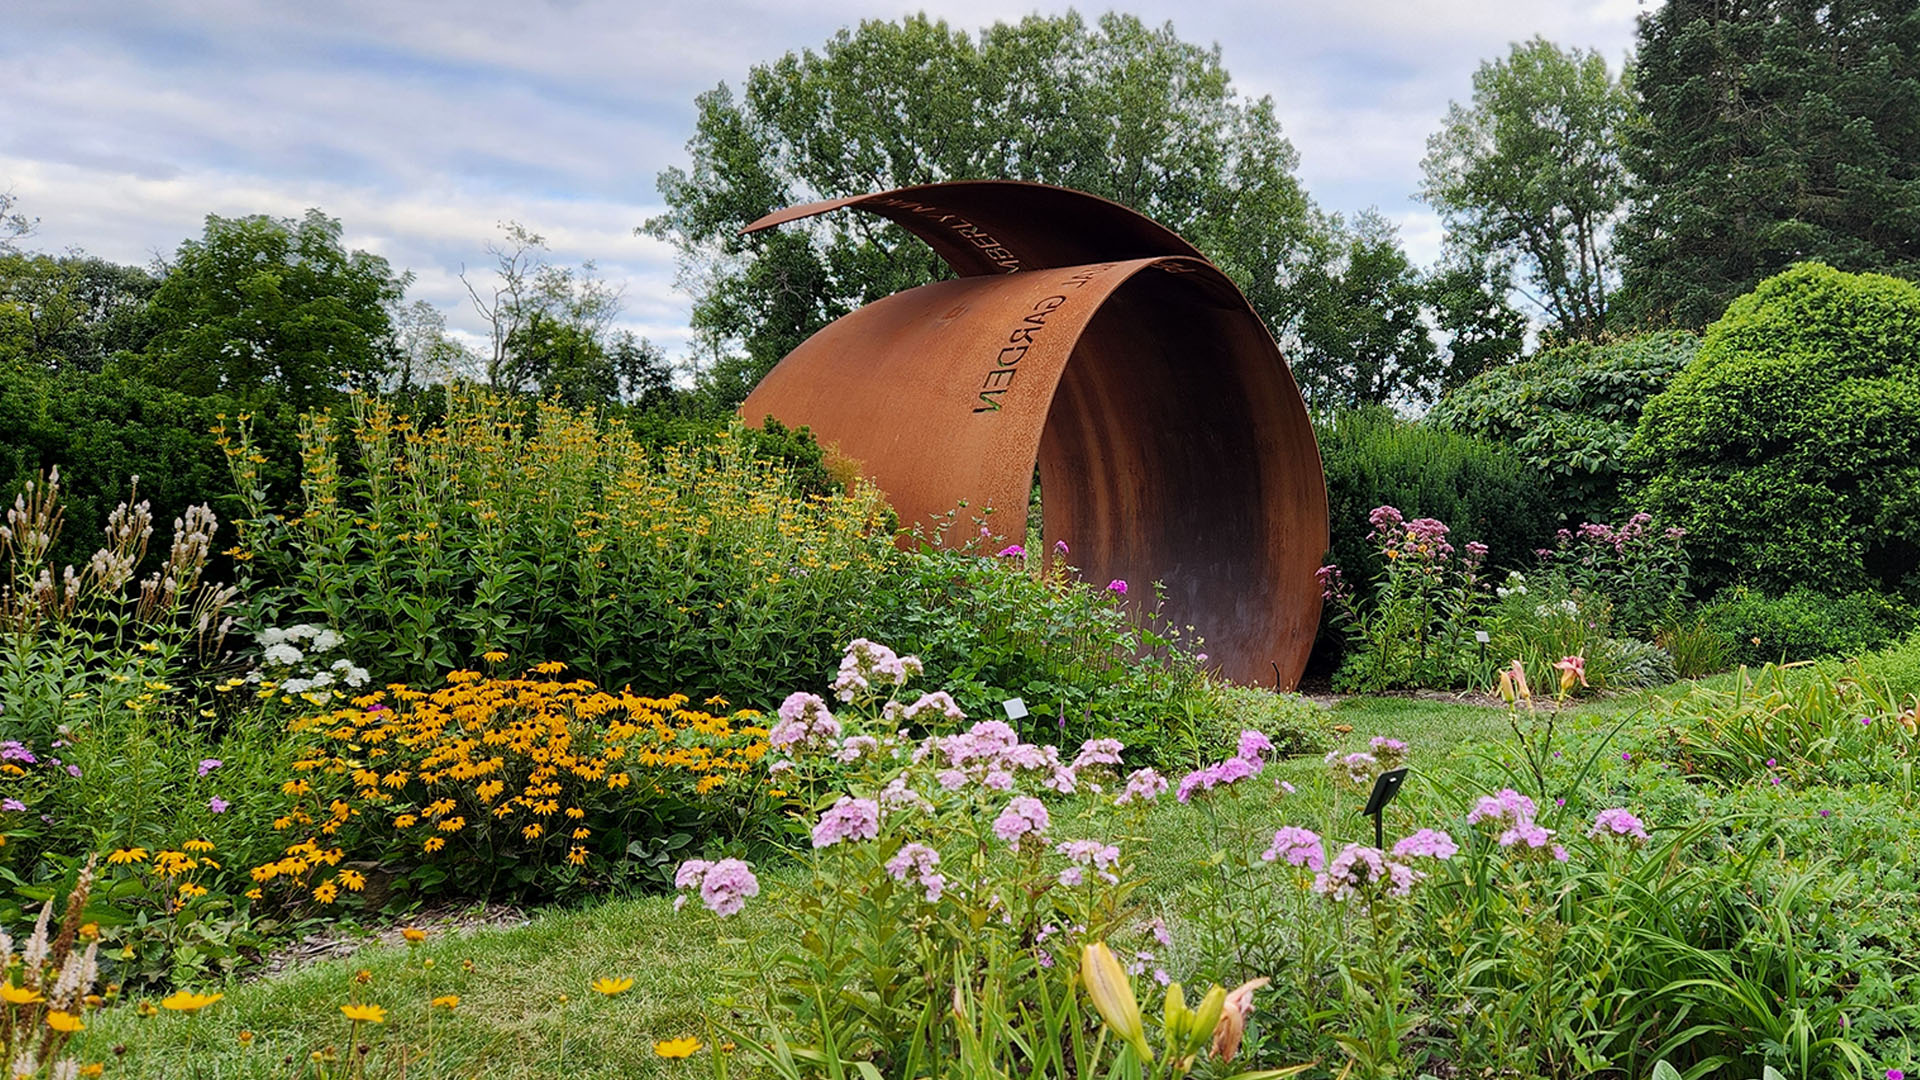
[41, 1012]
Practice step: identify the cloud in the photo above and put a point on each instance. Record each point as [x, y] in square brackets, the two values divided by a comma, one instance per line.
[423, 125]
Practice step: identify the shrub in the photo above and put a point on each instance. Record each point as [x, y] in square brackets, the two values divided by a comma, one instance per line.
[1804, 624]
[1570, 411]
[993, 627]
[1484, 491]
[505, 786]
[538, 532]
[1789, 449]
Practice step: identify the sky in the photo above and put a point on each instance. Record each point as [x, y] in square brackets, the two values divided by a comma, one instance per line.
[424, 125]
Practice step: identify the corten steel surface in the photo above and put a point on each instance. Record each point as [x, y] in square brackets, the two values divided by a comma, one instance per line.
[1171, 441]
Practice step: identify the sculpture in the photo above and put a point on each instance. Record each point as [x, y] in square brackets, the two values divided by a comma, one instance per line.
[1171, 441]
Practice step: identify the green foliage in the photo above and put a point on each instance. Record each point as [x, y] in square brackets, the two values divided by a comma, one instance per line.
[1363, 340]
[1570, 411]
[1118, 109]
[1469, 304]
[547, 534]
[101, 429]
[261, 302]
[1776, 131]
[1789, 449]
[1833, 726]
[71, 313]
[1484, 491]
[1804, 624]
[1530, 175]
[991, 628]
[1414, 629]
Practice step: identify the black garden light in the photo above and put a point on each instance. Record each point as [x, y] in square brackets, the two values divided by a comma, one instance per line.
[1385, 787]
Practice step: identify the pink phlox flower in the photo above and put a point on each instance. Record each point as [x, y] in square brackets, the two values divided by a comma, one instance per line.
[918, 861]
[856, 747]
[1158, 929]
[216, 804]
[1117, 587]
[727, 885]
[898, 796]
[1143, 785]
[804, 722]
[1023, 815]
[689, 874]
[1297, 847]
[1355, 770]
[951, 779]
[997, 780]
[1526, 834]
[928, 708]
[1011, 551]
[207, 765]
[847, 820]
[1097, 752]
[1426, 844]
[868, 665]
[1618, 821]
[1388, 752]
[1059, 547]
[1357, 867]
[1063, 781]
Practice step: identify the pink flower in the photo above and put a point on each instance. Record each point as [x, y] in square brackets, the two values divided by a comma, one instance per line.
[1144, 785]
[849, 819]
[1618, 821]
[1254, 744]
[1011, 551]
[1296, 847]
[1023, 815]
[208, 765]
[1059, 547]
[1357, 868]
[1506, 807]
[726, 886]
[918, 861]
[1117, 587]
[218, 805]
[1426, 844]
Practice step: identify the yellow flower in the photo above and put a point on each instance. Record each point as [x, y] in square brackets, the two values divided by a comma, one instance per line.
[677, 1048]
[19, 995]
[246, 1038]
[64, 1022]
[146, 1009]
[326, 892]
[127, 855]
[434, 843]
[184, 1001]
[613, 987]
[198, 845]
[551, 667]
[365, 1014]
[1112, 993]
[447, 1001]
[353, 879]
[493, 656]
[93, 1069]
[414, 935]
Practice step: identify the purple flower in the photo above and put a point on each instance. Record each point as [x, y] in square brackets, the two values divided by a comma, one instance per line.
[1506, 807]
[73, 771]
[1357, 868]
[726, 886]
[1117, 587]
[1626, 755]
[1059, 547]
[1826, 813]
[207, 765]
[804, 722]
[13, 804]
[1355, 770]
[1388, 752]
[1426, 844]
[1254, 744]
[1896, 1074]
[690, 873]
[1296, 847]
[849, 819]
[1618, 821]
[1103, 858]
[14, 750]
[218, 805]
[1023, 815]
[1011, 551]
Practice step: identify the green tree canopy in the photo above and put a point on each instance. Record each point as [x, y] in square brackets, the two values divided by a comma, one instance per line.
[1116, 108]
[1790, 447]
[1362, 340]
[1776, 131]
[263, 303]
[1530, 176]
[71, 312]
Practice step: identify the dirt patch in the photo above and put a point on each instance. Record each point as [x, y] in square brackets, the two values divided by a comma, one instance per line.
[437, 922]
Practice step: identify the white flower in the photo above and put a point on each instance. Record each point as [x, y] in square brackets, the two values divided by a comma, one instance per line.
[325, 639]
[283, 654]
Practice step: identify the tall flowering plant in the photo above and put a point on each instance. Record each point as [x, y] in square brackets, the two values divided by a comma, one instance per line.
[957, 878]
[1638, 566]
[1417, 629]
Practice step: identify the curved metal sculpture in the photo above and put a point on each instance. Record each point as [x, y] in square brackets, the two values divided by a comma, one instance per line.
[1171, 440]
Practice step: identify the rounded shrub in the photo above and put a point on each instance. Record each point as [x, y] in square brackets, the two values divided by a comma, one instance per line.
[1789, 449]
[1804, 625]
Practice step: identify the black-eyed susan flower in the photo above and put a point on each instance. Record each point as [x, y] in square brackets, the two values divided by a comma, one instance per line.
[364, 1014]
[612, 987]
[188, 1002]
[677, 1048]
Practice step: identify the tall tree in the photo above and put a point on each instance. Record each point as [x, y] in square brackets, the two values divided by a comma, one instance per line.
[1777, 131]
[14, 225]
[1362, 339]
[1483, 330]
[1116, 108]
[1531, 175]
[272, 304]
[72, 312]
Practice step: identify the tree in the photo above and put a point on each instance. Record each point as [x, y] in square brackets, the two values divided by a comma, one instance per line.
[1530, 175]
[1776, 131]
[272, 304]
[73, 312]
[1483, 331]
[14, 225]
[1362, 340]
[1117, 109]
[423, 353]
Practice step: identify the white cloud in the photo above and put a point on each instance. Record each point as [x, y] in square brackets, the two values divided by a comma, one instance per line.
[422, 125]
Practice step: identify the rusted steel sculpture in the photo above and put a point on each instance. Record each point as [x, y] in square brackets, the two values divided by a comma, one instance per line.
[1171, 441]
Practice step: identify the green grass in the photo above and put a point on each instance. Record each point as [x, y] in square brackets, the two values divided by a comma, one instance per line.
[526, 1007]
